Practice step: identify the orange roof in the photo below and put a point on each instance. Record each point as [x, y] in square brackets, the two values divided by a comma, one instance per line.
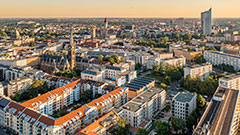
[44, 97]
[75, 113]
[90, 128]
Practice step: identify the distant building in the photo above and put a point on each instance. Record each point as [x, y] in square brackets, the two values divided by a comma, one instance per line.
[206, 21]
[201, 70]
[157, 60]
[175, 61]
[183, 104]
[180, 51]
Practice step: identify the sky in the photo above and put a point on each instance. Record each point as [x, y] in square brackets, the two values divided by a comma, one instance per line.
[118, 8]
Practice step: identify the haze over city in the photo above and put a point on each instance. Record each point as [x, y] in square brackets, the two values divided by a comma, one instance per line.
[118, 8]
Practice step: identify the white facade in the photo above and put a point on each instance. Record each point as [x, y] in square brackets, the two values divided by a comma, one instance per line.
[203, 71]
[216, 58]
[175, 61]
[230, 82]
[183, 104]
[144, 106]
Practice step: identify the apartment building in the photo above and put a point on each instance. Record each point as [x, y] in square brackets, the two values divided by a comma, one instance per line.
[199, 70]
[88, 113]
[56, 99]
[142, 59]
[92, 75]
[144, 106]
[102, 125]
[183, 104]
[179, 51]
[22, 120]
[138, 85]
[30, 120]
[157, 59]
[113, 71]
[216, 58]
[9, 73]
[19, 85]
[175, 61]
[57, 81]
[230, 81]
[221, 116]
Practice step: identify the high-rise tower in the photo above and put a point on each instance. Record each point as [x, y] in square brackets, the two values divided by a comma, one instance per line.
[206, 21]
[71, 51]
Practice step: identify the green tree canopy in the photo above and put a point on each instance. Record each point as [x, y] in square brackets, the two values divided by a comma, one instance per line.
[100, 57]
[178, 124]
[123, 127]
[161, 128]
[142, 131]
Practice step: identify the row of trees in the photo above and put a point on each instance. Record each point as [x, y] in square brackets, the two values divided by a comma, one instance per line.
[199, 59]
[113, 59]
[167, 73]
[161, 128]
[160, 39]
[162, 43]
[192, 119]
[38, 87]
[69, 73]
[225, 67]
[3, 33]
[205, 87]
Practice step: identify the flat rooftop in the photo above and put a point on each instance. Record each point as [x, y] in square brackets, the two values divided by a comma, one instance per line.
[219, 113]
[231, 76]
[184, 97]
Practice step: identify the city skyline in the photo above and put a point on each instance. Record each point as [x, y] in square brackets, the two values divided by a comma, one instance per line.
[122, 9]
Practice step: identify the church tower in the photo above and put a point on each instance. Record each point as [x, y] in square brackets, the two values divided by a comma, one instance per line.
[105, 31]
[71, 51]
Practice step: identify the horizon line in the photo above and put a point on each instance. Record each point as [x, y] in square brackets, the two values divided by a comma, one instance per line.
[99, 17]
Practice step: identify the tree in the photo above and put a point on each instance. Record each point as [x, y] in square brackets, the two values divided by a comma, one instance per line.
[3, 33]
[100, 57]
[192, 120]
[123, 127]
[189, 49]
[115, 57]
[178, 124]
[31, 34]
[138, 66]
[201, 101]
[16, 97]
[112, 61]
[199, 59]
[164, 86]
[142, 131]
[32, 44]
[161, 128]
[122, 59]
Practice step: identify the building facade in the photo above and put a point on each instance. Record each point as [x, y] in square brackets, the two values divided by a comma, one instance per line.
[206, 21]
[200, 70]
[144, 106]
[183, 104]
[217, 58]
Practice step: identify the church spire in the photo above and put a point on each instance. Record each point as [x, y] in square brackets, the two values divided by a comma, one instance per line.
[71, 51]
